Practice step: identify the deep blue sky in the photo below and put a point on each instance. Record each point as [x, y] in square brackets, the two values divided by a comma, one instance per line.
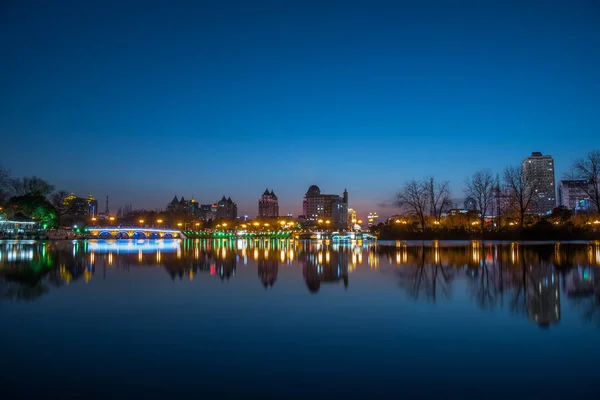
[141, 100]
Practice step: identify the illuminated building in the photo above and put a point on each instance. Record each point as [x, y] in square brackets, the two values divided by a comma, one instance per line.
[268, 205]
[373, 219]
[540, 169]
[333, 207]
[18, 224]
[226, 209]
[207, 212]
[81, 206]
[352, 218]
[574, 194]
[183, 206]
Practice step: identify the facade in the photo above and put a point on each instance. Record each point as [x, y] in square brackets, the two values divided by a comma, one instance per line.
[540, 169]
[268, 205]
[226, 209]
[207, 212]
[325, 206]
[373, 219]
[573, 194]
[81, 206]
[183, 206]
[352, 217]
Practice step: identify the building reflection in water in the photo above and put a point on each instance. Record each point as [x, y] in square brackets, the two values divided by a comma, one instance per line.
[534, 281]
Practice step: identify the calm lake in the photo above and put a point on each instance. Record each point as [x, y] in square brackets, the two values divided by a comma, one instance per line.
[292, 319]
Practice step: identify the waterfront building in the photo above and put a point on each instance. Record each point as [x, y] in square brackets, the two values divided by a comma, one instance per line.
[226, 209]
[373, 219]
[352, 217]
[332, 207]
[17, 225]
[207, 212]
[574, 194]
[539, 169]
[268, 204]
[183, 206]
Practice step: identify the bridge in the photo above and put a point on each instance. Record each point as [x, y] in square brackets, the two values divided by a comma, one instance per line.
[138, 232]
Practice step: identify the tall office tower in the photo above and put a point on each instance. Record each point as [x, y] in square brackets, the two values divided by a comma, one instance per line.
[539, 170]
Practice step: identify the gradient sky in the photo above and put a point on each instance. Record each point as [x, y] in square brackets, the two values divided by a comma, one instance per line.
[142, 100]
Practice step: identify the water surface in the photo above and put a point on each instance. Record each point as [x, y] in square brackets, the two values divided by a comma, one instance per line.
[289, 319]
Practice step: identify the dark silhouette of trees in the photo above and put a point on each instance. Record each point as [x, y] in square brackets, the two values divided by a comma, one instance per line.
[414, 197]
[439, 196]
[522, 188]
[32, 186]
[480, 187]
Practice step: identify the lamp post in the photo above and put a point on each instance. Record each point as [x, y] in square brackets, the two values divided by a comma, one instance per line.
[141, 221]
[111, 219]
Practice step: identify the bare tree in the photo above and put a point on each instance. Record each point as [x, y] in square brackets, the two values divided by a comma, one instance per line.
[522, 188]
[588, 168]
[33, 186]
[439, 196]
[479, 187]
[415, 197]
[59, 201]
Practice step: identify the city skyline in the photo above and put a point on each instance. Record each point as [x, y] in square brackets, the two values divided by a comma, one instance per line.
[165, 100]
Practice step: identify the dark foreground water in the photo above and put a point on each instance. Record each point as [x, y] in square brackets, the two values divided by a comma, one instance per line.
[238, 319]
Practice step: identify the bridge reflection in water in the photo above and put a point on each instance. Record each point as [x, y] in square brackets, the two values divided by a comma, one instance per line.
[134, 233]
[531, 280]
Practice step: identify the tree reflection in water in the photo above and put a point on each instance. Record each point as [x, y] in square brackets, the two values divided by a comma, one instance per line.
[526, 279]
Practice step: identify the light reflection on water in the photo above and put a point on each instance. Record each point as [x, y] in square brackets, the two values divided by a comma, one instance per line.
[309, 293]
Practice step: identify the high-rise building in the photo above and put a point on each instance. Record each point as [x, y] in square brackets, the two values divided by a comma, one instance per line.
[268, 205]
[183, 206]
[373, 219]
[539, 170]
[574, 194]
[207, 212]
[226, 209]
[352, 217]
[320, 206]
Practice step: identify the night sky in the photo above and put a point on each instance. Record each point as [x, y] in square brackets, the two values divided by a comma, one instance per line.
[143, 100]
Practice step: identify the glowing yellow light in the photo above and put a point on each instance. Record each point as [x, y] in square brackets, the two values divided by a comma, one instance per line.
[327, 222]
[141, 221]
[179, 224]
[360, 221]
[224, 225]
[112, 218]
[93, 218]
[159, 221]
[266, 224]
[320, 221]
[244, 226]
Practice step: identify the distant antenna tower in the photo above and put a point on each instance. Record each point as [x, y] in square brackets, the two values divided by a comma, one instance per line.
[106, 211]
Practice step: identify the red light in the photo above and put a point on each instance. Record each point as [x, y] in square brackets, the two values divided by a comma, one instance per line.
[213, 269]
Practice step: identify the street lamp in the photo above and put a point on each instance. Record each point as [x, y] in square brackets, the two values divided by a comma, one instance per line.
[179, 224]
[141, 221]
[111, 219]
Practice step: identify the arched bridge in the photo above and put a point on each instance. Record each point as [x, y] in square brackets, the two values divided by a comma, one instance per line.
[134, 233]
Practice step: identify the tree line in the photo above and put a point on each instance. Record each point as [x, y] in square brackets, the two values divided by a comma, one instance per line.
[510, 194]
